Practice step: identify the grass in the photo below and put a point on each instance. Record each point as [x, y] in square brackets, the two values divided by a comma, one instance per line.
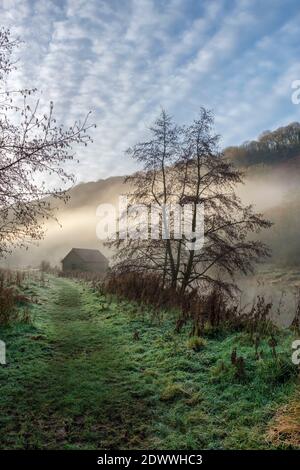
[91, 372]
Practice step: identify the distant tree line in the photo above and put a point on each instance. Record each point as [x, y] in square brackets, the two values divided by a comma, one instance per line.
[271, 147]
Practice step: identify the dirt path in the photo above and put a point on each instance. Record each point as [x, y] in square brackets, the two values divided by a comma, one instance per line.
[73, 387]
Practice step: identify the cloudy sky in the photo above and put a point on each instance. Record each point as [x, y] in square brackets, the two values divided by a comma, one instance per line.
[124, 59]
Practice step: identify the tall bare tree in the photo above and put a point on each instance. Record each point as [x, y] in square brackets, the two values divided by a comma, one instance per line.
[210, 181]
[182, 165]
[33, 150]
[153, 187]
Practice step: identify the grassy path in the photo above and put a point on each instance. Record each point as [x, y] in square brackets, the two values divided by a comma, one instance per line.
[73, 388]
[77, 379]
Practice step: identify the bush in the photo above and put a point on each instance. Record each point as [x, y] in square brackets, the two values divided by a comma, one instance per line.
[8, 311]
[11, 298]
[214, 308]
[145, 288]
[209, 314]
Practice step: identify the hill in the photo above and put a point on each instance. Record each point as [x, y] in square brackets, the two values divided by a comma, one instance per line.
[271, 147]
[272, 172]
[75, 225]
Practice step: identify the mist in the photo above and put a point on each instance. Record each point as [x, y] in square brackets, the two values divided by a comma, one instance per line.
[272, 190]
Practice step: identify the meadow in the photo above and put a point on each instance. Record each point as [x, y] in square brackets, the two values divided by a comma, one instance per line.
[87, 370]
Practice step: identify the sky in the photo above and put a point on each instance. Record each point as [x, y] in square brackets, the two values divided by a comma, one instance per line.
[126, 59]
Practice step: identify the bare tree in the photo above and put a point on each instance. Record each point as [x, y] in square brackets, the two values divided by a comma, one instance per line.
[153, 187]
[210, 182]
[33, 150]
[182, 165]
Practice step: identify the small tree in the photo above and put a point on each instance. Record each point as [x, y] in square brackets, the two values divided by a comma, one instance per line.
[33, 148]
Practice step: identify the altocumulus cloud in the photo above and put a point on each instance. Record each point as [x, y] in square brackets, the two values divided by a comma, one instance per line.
[123, 59]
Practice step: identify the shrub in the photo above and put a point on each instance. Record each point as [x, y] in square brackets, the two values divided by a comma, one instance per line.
[212, 309]
[11, 298]
[257, 321]
[208, 314]
[145, 288]
[8, 311]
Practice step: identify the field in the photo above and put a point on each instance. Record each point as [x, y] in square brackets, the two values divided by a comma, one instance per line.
[92, 372]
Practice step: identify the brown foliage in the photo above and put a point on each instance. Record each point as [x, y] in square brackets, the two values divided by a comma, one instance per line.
[11, 298]
[7, 305]
[150, 289]
[285, 428]
[205, 313]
